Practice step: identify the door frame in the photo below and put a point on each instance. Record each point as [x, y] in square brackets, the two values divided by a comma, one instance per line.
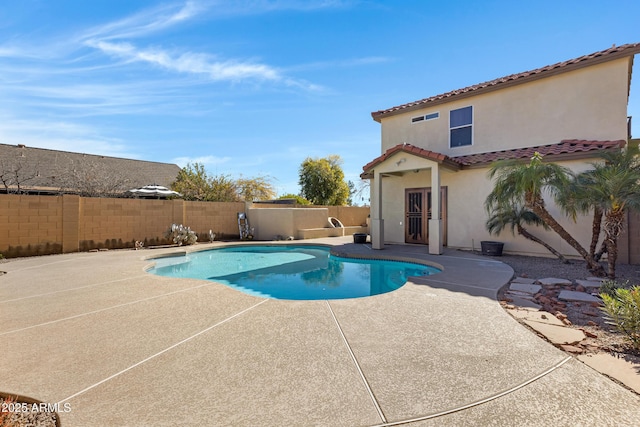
[424, 219]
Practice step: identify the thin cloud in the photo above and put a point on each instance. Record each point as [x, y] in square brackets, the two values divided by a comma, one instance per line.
[109, 39]
[146, 22]
[193, 63]
[61, 135]
[91, 99]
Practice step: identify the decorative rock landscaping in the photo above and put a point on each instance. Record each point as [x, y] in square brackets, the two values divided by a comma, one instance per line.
[542, 305]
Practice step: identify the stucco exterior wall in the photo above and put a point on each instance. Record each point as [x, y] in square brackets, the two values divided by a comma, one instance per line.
[348, 215]
[269, 223]
[466, 217]
[588, 103]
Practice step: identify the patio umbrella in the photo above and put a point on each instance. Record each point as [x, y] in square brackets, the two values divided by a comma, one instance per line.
[154, 191]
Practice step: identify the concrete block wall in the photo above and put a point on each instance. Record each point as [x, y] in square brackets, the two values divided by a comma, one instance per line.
[36, 225]
[629, 240]
[117, 223]
[221, 218]
[30, 225]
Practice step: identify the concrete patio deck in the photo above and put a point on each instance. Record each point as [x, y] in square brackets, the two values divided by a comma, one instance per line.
[123, 347]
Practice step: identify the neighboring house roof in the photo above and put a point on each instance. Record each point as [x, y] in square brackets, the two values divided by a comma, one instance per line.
[53, 169]
[566, 149]
[513, 79]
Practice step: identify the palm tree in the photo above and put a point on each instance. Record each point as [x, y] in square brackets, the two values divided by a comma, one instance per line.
[514, 215]
[612, 187]
[578, 197]
[526, 182]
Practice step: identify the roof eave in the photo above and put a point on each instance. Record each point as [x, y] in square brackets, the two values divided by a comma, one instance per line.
[630, 52]
[592, 154]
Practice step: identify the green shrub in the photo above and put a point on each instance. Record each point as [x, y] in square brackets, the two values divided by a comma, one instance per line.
[623, 312]
[609, 286]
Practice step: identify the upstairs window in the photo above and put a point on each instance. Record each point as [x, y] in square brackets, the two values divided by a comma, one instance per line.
[461, 127]
[430, 116]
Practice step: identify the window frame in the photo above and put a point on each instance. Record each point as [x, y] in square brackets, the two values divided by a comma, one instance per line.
[470, 125]
[425, 117]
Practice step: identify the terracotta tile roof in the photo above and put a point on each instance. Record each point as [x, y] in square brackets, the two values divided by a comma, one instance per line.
[591, 59]
[412, 149]
[566, 147]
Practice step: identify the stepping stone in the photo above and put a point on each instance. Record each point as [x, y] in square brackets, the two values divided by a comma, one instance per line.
[524, 280]
[519, 294]
[523, 287]
[521, 302]
[624, 369]
[577, 296]
[554, 281]
[537, 316]
[595, 279]
[589, 283]
[572, 349]
[558, 335]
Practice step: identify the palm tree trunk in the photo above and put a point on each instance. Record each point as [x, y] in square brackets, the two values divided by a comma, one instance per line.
[536, 204]
[613, 223]
[612, 257]
[523, 232]
[602, 251]
[596, 226]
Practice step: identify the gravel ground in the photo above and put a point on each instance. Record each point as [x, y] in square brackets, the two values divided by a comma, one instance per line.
[17, 413]
[538, 268]
[582, 316]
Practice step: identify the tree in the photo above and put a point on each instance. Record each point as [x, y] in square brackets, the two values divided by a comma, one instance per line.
[360, 191]
[578, 196]
[258, 188]
[193, 183]
[14, 176]
[322, 181]
[611, 188]
[91, 179]
[514, 215]
[525, 183]
[222, 188]
[352, 192]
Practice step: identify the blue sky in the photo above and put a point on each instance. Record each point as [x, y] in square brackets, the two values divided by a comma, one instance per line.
[254, 87]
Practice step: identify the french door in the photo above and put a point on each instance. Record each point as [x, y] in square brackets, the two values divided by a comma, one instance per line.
[418, 213]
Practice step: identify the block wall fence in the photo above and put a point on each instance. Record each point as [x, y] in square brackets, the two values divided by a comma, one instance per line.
[629, 240]
[41, 225]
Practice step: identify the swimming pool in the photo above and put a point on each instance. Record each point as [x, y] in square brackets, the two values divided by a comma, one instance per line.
[293, 272]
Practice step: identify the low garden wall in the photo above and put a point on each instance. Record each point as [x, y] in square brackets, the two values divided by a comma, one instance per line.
[306, 222]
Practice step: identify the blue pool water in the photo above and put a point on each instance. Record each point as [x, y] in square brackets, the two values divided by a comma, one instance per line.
[291, 272]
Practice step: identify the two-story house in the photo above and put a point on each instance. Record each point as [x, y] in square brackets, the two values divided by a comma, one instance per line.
[436, 151]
